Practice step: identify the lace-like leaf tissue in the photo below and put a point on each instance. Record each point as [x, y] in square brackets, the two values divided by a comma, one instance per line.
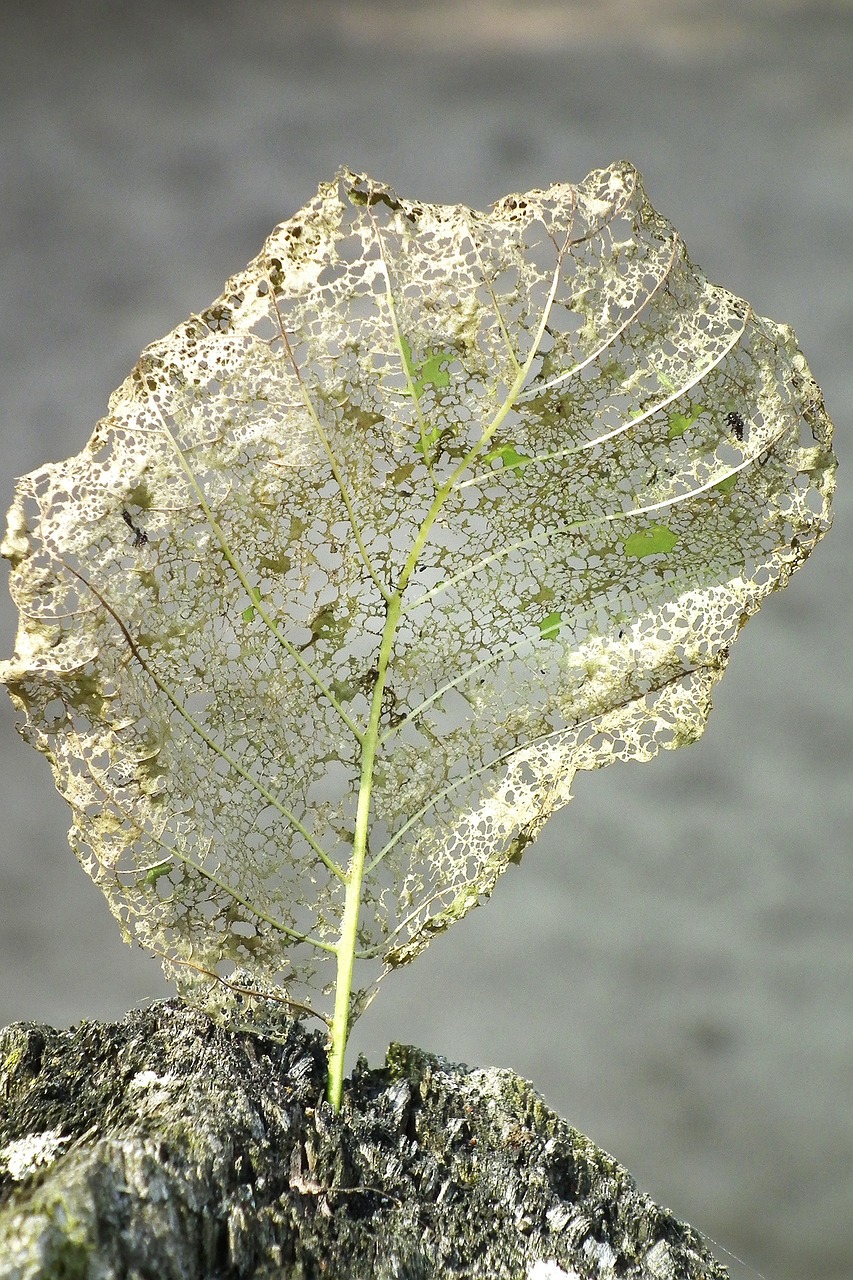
[430, 510]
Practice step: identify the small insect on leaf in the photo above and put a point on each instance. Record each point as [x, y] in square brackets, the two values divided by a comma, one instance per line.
[140, 537]
[736, 424]
[152, 876]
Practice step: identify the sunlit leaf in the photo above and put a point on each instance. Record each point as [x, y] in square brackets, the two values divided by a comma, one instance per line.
[473, 473]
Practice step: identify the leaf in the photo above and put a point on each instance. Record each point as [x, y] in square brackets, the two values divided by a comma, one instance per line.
[445, 456]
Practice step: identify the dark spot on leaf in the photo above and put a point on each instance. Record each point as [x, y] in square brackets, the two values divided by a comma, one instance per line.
[736, 424]
[140, 537]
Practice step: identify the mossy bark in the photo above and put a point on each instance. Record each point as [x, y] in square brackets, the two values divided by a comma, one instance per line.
[164, 1147]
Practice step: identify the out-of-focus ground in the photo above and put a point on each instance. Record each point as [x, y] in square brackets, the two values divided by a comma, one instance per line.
[673, 965]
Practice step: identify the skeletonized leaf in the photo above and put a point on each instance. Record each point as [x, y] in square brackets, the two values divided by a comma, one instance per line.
[442, 504]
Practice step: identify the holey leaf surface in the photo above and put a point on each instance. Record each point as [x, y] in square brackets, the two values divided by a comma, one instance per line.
[431, 509]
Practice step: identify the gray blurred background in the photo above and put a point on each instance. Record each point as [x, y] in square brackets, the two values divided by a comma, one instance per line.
[672, 965]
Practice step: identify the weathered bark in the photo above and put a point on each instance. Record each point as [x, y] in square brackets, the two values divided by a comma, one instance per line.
[164, 1147]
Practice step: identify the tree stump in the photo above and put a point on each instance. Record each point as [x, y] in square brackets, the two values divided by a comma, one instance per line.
[163, 1147]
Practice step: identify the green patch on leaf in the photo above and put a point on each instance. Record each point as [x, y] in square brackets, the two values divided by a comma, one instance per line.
[428, 442]
[613, 371]
[155, 873]
[681, 422]
[428, 370]
[324, 625]
[344, 690]
[654, 540]
[251, 610]
[726, 486]
[664, 379]
[509, 457]
[275, 563]
[549, 628]
[543, 595]
[402, 473]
